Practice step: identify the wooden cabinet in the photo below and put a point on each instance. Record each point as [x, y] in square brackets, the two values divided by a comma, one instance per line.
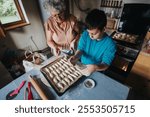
[142, 66]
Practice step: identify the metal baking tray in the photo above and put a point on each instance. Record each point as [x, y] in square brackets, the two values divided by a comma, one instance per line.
[61, 74]
[131, 38]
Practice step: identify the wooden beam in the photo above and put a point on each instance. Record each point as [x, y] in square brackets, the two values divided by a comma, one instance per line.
[2, 32]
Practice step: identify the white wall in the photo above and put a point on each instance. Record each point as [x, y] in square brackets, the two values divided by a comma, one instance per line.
[44, 13]
[20, 38]
[84, 5]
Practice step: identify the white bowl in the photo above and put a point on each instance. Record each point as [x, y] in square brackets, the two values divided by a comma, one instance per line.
[89, 83]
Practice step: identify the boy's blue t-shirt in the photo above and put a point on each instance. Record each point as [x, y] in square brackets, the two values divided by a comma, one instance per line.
[96, 51]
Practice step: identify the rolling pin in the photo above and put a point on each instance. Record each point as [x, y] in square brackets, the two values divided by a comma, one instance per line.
[38, 88]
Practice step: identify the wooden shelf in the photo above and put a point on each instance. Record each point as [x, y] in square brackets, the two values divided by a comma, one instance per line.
[112, 7]
[111, 3]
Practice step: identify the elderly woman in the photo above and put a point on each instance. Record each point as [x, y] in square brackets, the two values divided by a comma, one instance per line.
[61, 28]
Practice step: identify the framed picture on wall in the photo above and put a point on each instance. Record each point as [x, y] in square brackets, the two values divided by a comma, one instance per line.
[12, 14]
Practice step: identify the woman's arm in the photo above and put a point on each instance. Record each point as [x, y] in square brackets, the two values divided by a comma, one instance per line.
[50, 41]
[76, 33]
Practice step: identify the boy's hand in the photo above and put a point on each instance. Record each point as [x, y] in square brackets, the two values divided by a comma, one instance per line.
[88, 70]
[73, 60]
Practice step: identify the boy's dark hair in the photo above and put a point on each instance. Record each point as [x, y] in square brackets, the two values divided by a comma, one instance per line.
[96, 19]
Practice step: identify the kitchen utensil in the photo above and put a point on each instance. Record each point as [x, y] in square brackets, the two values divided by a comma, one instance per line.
[12, 94]
[28, 93]
[25, 93]
[89, 83]
[61, 74]
[38, 88]
[68, 52]
[30, 96]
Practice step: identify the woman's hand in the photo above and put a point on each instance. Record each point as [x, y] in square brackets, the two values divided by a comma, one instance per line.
[56, 51]
[72, 45]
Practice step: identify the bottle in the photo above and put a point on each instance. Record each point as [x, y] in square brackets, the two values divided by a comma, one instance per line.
[120, 3]
[112, 14]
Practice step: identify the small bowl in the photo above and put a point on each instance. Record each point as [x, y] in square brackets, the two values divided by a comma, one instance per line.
[89, 83]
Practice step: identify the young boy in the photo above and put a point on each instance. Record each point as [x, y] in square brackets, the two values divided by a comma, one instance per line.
[95, 48]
